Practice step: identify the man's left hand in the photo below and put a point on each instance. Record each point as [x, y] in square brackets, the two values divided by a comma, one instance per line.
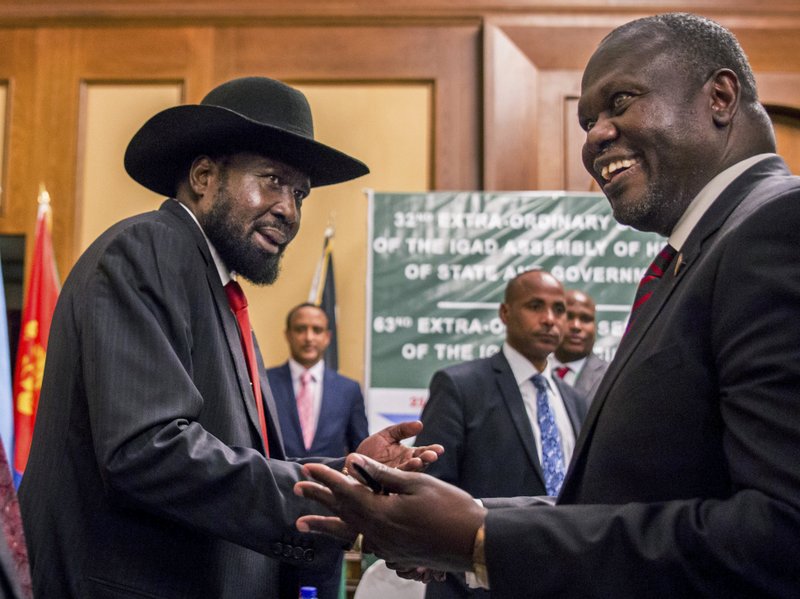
[386, 447]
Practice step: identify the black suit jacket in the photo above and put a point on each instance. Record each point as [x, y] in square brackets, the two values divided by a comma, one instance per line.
[476, 411]
[147, 475]
[685, 481]
[342, 422]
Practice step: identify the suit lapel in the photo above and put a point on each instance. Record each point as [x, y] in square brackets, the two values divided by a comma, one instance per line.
[231, 328]
[327, 409]
[228, 321]
[509, 390]
[571, 403]
[275, 438]
[701, 235]
[285, 390]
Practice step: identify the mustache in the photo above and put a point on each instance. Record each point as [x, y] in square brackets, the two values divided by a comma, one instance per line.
[280, 231]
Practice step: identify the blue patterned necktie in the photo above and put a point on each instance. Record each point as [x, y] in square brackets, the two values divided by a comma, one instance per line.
[552, 456]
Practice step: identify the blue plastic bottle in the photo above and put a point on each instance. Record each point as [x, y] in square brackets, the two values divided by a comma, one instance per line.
[308, 592]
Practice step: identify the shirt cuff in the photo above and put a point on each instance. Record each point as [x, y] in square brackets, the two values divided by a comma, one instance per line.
[479, 577]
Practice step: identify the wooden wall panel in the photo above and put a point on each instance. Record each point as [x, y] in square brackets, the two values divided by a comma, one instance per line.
[557, 49]
[18, 11]
[503, 75]
[446, 57]
[17, 69]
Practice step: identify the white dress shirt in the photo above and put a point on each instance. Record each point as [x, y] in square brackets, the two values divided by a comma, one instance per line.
[700, 204]
[523, 370]
[574, 371]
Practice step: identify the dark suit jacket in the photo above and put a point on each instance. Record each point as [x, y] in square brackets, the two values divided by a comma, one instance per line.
[590, 376]
[147, 476]
[476, 411]
[689, 453]
[342, 423]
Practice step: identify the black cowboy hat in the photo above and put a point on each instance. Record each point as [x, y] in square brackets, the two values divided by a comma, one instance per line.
[249, 114]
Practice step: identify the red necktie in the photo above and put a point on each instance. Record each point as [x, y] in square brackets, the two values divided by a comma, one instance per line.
[238, 303]
[650, 279]
[562, 371]
[305, 408]
[12, 526]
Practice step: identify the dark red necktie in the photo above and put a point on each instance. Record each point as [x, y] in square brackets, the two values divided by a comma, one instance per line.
[12, 526]
[238, 303]
[562, 371]
[650, 279]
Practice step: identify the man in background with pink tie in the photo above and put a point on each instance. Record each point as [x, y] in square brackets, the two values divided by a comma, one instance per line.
[321, 412]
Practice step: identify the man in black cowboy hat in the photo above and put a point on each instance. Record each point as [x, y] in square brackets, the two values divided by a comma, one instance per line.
[157, 467]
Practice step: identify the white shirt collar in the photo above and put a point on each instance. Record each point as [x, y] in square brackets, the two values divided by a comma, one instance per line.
[575, 365]
[703, 200]
[225, 275]
[521, 367]
[297, 369]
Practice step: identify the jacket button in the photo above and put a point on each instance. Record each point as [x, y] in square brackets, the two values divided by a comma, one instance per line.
[287, 551]
[277, 548]
[308, 555]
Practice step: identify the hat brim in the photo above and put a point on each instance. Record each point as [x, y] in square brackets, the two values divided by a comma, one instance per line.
[168, 141]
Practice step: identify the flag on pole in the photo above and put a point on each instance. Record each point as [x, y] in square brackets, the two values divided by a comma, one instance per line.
[37, 313]
[6, 403]
[323, 294]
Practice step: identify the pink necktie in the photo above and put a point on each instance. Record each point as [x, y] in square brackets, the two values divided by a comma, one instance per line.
[562, 371]
[238, 303]
[305, 408]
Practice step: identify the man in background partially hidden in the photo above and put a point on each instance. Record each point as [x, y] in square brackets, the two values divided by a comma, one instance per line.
[575, 362]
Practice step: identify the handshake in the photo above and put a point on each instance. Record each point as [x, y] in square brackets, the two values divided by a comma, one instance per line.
[420, 525]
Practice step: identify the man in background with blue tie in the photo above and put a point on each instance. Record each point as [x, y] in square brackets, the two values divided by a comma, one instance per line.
[507, 422]
[321, 412]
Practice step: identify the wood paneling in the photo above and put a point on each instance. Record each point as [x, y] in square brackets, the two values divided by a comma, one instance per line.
[533, 71]
[38, 10]
[447, 57]
[503, 75]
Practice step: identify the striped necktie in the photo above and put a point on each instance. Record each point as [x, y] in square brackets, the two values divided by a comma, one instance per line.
[650, 279]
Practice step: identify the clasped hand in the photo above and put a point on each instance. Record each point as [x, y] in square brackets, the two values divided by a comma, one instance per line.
[419, 526]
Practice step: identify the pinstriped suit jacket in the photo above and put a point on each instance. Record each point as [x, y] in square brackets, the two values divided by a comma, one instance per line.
[147, 476]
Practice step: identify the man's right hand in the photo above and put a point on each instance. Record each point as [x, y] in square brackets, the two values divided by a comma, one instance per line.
[421, 522]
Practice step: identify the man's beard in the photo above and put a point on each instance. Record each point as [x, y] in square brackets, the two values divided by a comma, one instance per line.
[230, 240]
[656, 211]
